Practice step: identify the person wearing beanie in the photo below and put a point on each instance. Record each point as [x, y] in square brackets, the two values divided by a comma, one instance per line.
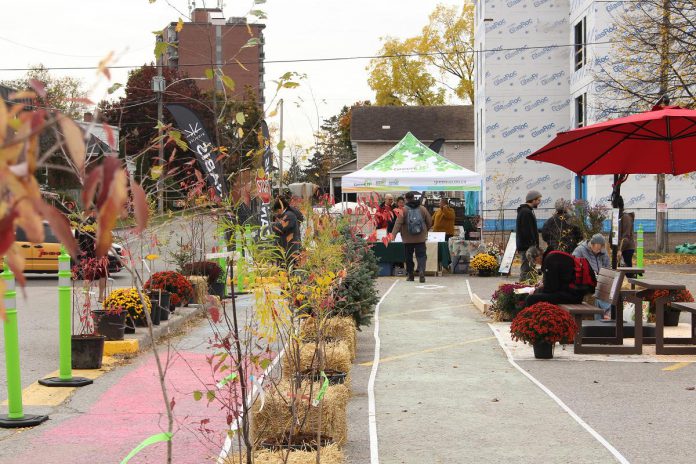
[558, 232]
[594, 251]
[527, 234]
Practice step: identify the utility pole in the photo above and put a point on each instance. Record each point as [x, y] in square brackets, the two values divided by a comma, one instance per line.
[660, 223]
[280, 154]
[158, 88]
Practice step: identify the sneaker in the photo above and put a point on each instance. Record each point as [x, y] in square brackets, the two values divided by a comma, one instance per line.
[409, 278]
[421, 279]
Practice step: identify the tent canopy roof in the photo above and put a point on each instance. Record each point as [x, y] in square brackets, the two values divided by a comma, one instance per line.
[410, 165]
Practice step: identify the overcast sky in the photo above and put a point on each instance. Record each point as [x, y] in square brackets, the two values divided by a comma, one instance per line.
[78, 33]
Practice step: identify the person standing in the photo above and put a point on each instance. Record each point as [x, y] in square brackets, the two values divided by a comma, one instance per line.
[443, 219]
[399, 209]
[385, 212]
[413, 224]
[558, 232]
[527, 231]
[627, 241]
[287, 228]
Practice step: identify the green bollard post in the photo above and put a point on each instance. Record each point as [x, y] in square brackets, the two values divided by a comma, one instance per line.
[239, 268]
[15, 416]
[639, 251]
[65, 377]
[222, 248]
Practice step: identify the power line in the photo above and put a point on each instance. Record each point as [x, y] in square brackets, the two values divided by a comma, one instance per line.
[327, 59]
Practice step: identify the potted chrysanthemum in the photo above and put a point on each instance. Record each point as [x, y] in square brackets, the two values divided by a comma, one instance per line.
[543, 325]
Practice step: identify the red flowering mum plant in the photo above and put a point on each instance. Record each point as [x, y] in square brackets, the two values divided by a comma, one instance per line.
[673, 295]
[543, 322]
[505, 303]
[173, 282]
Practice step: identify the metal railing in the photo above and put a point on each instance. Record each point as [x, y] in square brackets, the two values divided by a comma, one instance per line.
[679, 220]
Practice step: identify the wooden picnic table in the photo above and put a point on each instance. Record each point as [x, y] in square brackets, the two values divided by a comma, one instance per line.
[633, 271]
[649, 285]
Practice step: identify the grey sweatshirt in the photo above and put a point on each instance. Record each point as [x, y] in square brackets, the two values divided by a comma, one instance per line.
[597, 261]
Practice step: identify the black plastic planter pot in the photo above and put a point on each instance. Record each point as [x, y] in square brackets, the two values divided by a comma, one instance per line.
[543, 350]
[110, 324]
[672, 318]
[217, 289]
[161, 300]
[299, 442]
[87, 351]
[335, 377]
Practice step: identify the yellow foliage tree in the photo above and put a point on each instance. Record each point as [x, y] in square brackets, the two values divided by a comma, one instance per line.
[419, 70]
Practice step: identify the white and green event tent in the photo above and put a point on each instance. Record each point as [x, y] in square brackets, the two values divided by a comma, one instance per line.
[410, 165]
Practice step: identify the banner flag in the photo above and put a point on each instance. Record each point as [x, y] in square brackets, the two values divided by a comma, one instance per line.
[200, 144]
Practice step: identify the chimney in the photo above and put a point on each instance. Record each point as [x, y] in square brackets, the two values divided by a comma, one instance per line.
[88, 117]
[201, 15]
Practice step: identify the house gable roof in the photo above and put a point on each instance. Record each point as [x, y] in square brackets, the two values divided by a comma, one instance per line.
[453, 122]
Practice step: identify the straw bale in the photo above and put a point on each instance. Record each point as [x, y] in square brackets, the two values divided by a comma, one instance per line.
[337, 328]
[337, 357]
[276, 417]
[330, 454]
[200, 288]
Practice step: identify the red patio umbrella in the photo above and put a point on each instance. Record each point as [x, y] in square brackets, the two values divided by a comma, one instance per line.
[660, 141]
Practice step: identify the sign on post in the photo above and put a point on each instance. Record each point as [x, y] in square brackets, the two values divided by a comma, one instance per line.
[509, 255]
[615, 226]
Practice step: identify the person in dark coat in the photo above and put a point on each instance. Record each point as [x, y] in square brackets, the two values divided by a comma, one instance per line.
[527, 232]
[558, 272]
[287, 228]
[287, 199]
[558, 232]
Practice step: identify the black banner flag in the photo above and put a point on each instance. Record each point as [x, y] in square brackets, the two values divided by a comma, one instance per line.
[200, 144]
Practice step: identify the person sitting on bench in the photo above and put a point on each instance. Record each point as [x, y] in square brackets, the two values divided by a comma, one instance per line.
[558, 273]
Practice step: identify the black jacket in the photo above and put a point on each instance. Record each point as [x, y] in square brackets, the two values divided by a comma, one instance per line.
[558, 273]
[560, 234]
[287, 228]
[526, 228]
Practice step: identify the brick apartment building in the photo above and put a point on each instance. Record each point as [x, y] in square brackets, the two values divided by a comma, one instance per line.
[212, 42]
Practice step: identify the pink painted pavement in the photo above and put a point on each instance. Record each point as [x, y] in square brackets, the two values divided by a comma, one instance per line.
[131, 411]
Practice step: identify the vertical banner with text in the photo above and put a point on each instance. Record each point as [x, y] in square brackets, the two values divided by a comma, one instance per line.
[263, 181]
[200, 144]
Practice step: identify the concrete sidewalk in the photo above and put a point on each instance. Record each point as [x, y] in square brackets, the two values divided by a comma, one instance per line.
[445, 391]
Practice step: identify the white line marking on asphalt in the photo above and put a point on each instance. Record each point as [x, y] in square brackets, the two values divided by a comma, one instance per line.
[619, 457]
[224, 453]
[430, 287]
[371, 414]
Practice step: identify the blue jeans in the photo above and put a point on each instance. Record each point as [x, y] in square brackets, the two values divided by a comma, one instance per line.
[606, 306]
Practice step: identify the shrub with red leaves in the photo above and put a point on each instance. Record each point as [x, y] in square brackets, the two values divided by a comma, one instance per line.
[543, 322]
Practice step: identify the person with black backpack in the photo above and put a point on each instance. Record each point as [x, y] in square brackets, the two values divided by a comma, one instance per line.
[566, 278]
[413, 225]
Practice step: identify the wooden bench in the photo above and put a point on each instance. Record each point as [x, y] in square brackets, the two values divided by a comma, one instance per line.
[660, 339]
[608, 289]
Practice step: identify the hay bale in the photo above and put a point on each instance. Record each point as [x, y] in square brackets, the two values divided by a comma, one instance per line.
[330, 454]
[276, 417]
[336, 328]
[200, 288]
[337, 357]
